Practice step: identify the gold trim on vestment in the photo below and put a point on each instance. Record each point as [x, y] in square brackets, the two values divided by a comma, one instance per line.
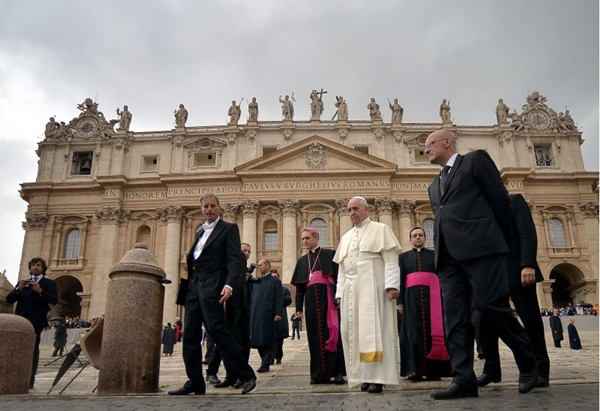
[375, 356]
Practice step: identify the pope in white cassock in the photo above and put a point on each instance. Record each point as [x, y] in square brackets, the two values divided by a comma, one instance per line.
[367, 289]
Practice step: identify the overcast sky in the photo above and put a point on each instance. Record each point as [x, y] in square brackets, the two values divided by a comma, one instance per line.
[153, 55]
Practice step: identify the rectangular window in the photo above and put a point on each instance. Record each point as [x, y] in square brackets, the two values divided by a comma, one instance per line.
[362, 149]
[266, 150]
[543, 155]
[205, 159]
[149, 164]
[82, 163]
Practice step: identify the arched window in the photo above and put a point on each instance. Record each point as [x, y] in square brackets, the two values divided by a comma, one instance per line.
[321, 226]
[428, 227]
[270, 236]
[557, 233]
[72, 244]
[143, 235]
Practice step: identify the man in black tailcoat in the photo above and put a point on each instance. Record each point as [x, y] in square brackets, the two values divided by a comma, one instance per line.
[214, 273]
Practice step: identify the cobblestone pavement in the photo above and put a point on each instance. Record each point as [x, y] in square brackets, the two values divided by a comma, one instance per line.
[574, 384]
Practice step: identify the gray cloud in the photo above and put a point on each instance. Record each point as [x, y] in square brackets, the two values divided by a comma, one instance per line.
[153, 55]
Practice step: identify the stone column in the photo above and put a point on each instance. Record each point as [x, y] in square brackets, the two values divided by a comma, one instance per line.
[230, 213]
[172, 216]
[250, 210]
[384, 208]
[405, 210]
[342, 210]
[290, 238]
[108, 218]
[34, 225]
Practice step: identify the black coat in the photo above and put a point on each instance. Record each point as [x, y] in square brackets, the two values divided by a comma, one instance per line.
[282, 328]
[522, 242]
[32, 305]
[574, 340]
[219, 264]
[556, 327]
[301, 272]
[266, 301]
[472, 217]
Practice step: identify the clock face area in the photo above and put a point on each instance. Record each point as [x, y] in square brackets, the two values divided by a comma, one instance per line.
[538, 120]
[87, 127]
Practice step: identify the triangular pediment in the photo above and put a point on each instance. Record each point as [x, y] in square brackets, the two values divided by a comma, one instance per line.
[315, 154]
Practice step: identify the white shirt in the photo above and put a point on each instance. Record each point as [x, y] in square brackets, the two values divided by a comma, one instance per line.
[208, 229]
[452, 160]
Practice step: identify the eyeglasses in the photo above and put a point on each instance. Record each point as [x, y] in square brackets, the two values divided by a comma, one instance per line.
[427, 146]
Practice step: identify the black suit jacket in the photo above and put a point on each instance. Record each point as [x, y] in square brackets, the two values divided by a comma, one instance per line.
[219, 264]
[472, 217]
[523, 242]
[32, 305]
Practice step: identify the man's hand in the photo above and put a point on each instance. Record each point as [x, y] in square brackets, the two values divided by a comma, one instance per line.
[400, 309]
[299, 314]
[392, 294]
[225, 294]
[36, 287]
[277, 318]
[527, 276]
[338, 301]
[23, 284]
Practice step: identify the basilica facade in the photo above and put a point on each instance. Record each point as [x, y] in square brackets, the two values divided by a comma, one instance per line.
[101, 188]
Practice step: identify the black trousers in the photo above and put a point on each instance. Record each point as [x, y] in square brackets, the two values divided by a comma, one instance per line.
[469, 303]
[295, 332]
[526, 304]
[213, 356]
[266, 356]
[278, 348]
[207, 310]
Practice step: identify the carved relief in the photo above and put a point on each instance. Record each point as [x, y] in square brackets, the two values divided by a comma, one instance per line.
[108, 214]
[589, 209]
[315, 156]
[35, 221]
[250, 208]
[170, 213]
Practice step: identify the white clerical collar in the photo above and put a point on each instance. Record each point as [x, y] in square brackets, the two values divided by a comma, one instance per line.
[363, 223]
[451, 160]
[36, 278]
[209, 226]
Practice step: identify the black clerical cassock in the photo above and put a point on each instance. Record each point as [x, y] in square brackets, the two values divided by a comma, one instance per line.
[315, 277]
[416, 342]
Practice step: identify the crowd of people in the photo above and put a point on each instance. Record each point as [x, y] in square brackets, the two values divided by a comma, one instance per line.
[372, 314]
[573, 309]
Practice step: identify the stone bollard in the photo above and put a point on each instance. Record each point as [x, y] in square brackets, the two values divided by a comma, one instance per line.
[130, 358]
[16, 354]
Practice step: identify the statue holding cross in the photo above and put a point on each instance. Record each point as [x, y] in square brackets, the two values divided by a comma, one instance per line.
[316, 104]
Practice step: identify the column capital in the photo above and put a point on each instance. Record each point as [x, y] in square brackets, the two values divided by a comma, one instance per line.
[171, 214]
[230, 211]
[589, 209]
[384, 205]
[35, 221]
[250, 208]
[289, 207]
[342, 206]
[406, 207]
[111, 215]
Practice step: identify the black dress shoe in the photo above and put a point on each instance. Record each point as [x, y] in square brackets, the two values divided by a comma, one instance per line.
[278, 361]
[339, 380]
[542, 381]
[187, 389]
[212, 379]
[527, 382]
[484, 379]
[375, 388]
[456, 391]
[224, 384]
[364, 386]
[263, 369]
[238, 384]
[248, 386]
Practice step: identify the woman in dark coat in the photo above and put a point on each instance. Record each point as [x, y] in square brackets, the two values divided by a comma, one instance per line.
[168, 339]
